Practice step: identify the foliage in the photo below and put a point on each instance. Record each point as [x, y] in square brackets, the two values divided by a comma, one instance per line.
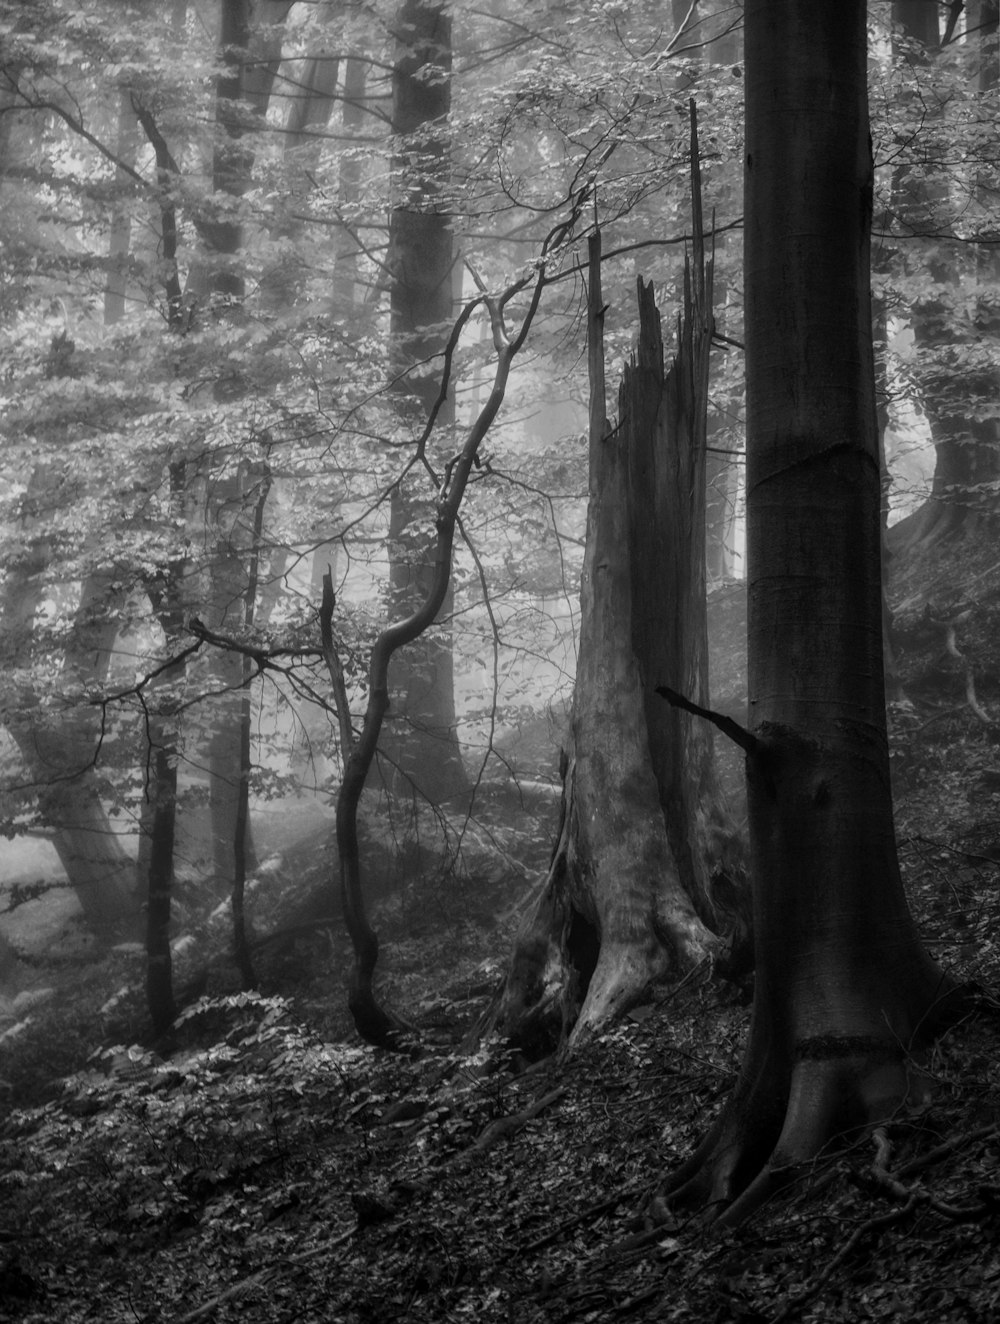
[270, 1169]
[263, 1172]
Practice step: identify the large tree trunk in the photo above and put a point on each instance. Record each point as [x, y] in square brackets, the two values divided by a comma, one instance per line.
[59, 748]
[419, 750]
[345, 272]
[311, 101]
[374, 1023]
[159, 889]
[250, 39]
[844, 989]
[626, 897]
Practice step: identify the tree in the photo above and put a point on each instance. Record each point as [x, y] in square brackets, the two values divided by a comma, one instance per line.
[845, 992]
[421, 745]
[935, 212]
[373, 1022]
[627, 901]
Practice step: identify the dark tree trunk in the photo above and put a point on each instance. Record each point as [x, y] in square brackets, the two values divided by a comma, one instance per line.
[627, 895]
[228, 572]
[251, 54]
[250, 40]
[312, 100]
[241, 861]
[156, 856]
[159, 972]
[373, 1022]
[419, 750]
[844, 988]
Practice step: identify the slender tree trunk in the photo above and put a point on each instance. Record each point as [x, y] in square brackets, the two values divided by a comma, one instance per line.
[721, 473]
[844, 989]
[312, 100]
[163, 802]
[250, 39]
[120, 235]
[984, 383]
[167, 599]
[419, 748]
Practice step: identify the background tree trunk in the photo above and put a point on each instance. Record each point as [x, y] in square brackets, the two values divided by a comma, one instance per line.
[59, 750]
[250, 40]
[620, 907]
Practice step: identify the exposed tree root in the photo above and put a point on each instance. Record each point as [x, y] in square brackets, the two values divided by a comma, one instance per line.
[586, 955]
[778, 1122]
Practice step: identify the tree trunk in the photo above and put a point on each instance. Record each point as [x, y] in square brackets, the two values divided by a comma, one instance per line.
[312, 99]
[375, 1024]
[159, 819]
[120, 234]
[163, 800]
[419, 749]
[620, 907]
[241, 944]
[251, 54]
[844, 988]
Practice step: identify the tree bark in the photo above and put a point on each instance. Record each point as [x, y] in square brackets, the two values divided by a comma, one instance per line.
[373, 1022]
[251, 54]
[619, 910]
[156, 855]
[844, 989]
[345, 272]
[59, 750]
[241, 862]
[419, 749]
[120, 234]
[250, 42]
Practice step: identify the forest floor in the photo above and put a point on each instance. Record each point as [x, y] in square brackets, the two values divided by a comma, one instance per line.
[271, 1169]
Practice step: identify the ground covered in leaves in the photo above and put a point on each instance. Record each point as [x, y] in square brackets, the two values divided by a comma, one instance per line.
[266, 1167]
[264, 1172]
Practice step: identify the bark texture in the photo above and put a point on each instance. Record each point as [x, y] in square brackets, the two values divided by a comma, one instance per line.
[627, 896]
[419, 749]
[844, 989]
[59, 747]
[956, 352]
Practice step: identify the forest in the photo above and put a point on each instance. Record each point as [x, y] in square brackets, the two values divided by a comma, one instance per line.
[499, 681]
